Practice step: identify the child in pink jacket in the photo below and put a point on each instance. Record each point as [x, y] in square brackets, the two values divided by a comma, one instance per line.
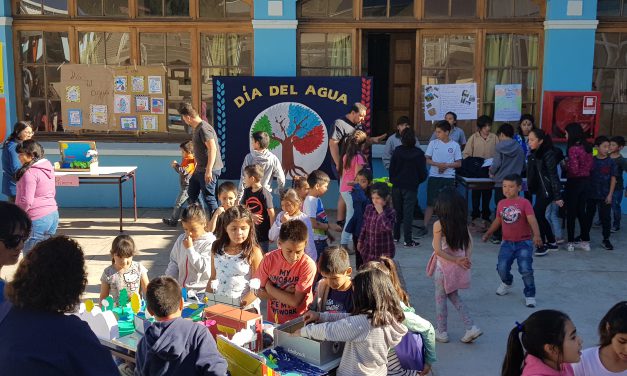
[35, 192]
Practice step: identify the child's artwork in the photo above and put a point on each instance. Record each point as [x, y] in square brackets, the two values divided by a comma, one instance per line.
[142, 103]
[122, 104]
[150, 123]
[137, 84]
[73, 94]
[157, 106]
[98, 114]
[154, 85]
[75, 118]
[121, 84]
[128, 123]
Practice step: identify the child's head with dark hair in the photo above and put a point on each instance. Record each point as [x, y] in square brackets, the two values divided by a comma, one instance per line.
[388, 266]
[442, 130]
[526, 124]
[548, 335]
[293, 237]
[452, 212]
[187, 148]
[353, 146]
[122, 251]
[364, 179]
[335, 266]
[602, 144]
[484, 121]
[515, 178]
[617, 143]
[375, 296]
[301, 186]
[261, 140]
[408, 138]
[29, 152]
[512, 184]
[237, 230]
[253, 171]
[613, 328]
[59, 259]
[227, 194]
[539, 141]
[15, 228]
[380, 194]
[318, 183]
[505, 130]
[402, 123]
[290, 202]
[164, 299]
[451, 118]
[193, 220]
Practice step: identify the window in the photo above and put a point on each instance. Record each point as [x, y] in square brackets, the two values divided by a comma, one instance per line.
[41, 53]
[162, 8]
[511, 59]
[610, 78]
[612, 8]
[513, 8]
[104, 48]
[219, 9]
[450, 8]
[388, 8]
[222, 55]
[326, 54]
[172, 50]
[108, 8]
[326, 8]
[42, 7]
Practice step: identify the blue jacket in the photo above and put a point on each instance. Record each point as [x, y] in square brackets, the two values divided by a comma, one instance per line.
[10, 165]
[41, 343]
[178, 347]
[360, 201]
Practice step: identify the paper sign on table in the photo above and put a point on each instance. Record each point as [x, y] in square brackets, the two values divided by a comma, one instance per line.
[66, 181]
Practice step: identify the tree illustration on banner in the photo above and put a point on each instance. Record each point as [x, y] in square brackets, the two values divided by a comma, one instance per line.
[298, 136]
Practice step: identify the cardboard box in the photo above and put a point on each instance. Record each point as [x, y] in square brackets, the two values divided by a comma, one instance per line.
[318, 353]
[230, 320]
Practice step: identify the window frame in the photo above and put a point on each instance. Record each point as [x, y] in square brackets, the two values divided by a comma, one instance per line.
[622, 16]
[351, 32]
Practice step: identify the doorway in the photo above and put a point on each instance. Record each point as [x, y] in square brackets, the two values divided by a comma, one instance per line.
[389, 57]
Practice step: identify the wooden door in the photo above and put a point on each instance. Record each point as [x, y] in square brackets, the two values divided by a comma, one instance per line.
[402, 72]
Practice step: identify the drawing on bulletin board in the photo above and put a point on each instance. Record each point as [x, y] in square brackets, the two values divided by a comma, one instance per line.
[98, 114]
[120, 84]
[137, 84]
[154, 85]
[128, 123]
[122, 104]
[458, 98]
[142, 103]
[75, 118]
[157, 106]
[149, 123]
[73, 94]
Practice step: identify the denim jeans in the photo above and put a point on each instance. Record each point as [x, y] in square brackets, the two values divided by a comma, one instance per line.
[43, 228]
[522, 252]
[404, 201]
[181, 199]
[197, 185]
[551, 215]
[321, 245]
[617, 198]
[348, 199]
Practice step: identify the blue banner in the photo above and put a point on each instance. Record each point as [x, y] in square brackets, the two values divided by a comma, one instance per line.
[297, 113]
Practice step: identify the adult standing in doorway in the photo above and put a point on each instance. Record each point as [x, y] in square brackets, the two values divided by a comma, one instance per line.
[22, 131]
[208, 159]
[342, 129]
[457, 134]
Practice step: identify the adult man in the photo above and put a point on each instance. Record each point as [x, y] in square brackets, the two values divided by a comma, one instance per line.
[208, 159]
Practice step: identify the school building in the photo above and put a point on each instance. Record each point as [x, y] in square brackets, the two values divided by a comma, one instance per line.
[552, 45]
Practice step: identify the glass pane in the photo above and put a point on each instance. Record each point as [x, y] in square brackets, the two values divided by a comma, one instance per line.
[239, 52]
[206, 87]
[608, 7]
[433, 76]
[116, 8]
[434, 51]
[150, 8]
[460, 76]
[622, 62]
[436, 8]
[621, 85]
[29, 7]
[152, 47]
[619, 126]
[525, 50]
[529, 81]
[314, 8]
[32, 48]
[498, 51]
[55, 7]
[179, 84]
[375, 8]
[178, 49]
[401, 8]
[237, 9]
[175, 123]
[211, 8]
[312, 50]
[339, 50]
[36, 113]
[179, 8]
[55, 122]
[603, 81]
[319, 72]
[33, 83]
[57, 48]
[606, 118]
[461, 51]
[606, 50]
[463, 8]
[526, 8]
[89, 7]
[340, 8]
[500, 8]
[91, 48]
[53, 75]
[118, 48]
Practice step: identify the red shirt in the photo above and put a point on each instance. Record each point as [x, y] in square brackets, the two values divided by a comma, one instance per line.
[514, 212]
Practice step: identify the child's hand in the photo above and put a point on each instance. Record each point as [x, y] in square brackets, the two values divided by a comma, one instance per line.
[258, 218]
[285, 218]
[378, 208]
[559, 203]
[464, 262]
[537, 241]
[351, 183]
[442, 170]
[335, 227]
[311, 316]
[485, 237]
[187, 241]
[290, 289]
[608, 199]
[174, 163]
[330, 236]
[425, 370]
[295, 333]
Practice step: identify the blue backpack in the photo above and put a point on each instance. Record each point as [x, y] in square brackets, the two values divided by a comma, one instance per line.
[411, 352]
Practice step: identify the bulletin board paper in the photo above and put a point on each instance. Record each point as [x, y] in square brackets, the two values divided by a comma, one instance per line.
[458, 98]
[507, 102]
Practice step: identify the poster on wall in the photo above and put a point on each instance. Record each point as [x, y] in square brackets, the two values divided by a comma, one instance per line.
[298, 114]
[507, 102]
[459, 98]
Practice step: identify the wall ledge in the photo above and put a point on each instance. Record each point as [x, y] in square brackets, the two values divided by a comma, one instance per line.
[571, 24]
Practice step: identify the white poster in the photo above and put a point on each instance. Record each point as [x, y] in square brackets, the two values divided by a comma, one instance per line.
[458, 98]
[507, 102]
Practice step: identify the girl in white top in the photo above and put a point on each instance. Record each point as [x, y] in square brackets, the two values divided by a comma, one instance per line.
[610, 357]
[235, 258]
[291, 210]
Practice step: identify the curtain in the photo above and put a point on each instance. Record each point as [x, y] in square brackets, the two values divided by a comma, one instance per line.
[216, 57]
[234, 43]
[498, 59]
[341, 54]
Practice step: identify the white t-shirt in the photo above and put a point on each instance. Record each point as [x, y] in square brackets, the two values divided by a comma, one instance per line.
[441, 152]
[590, 365]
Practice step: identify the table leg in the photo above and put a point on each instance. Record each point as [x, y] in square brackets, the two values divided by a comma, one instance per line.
[133, 176]
[120, 199]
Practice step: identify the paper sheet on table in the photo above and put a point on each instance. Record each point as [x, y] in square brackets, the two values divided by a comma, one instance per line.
[488, 162]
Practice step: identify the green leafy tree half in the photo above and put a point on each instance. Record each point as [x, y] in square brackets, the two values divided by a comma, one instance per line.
[263, 125]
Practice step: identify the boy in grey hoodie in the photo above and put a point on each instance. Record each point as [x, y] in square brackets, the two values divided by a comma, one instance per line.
[173, 345]
[509, 159]
[268, 161]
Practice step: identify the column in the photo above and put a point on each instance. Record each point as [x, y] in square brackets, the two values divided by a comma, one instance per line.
[275, 37]
[8, 113]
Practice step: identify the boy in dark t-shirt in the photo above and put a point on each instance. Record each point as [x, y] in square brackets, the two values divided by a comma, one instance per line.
[334, 293]
[259, 201]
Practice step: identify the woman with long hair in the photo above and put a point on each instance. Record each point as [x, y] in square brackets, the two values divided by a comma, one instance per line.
[22, 131]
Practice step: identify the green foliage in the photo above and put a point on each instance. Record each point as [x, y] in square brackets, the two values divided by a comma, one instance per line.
[263, 125]
[80, 165]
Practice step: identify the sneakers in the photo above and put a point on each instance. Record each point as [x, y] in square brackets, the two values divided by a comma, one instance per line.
[530, 302]
[607, 245]
[551, 246]
[503, 289]
[584, 246]
[560, 241]
[411, 243]
[441, 336]
[471, 334]
[570, 247]
[542, 251]
[396, 240]
[422, 231]
[615, 229]
[170, 222]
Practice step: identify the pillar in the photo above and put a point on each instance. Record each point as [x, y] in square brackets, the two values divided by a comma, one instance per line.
[275, 37]
[8, 104]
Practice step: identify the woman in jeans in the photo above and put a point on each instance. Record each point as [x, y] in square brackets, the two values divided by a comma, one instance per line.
[544, 183]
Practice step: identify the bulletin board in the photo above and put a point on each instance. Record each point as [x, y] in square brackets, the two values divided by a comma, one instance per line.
[112, 99]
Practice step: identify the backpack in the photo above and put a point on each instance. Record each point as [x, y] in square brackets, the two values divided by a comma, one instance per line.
[472, 168]
[411, 352]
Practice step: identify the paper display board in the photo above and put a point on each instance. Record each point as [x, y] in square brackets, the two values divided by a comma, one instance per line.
[458, 98]
[100, 98]
[507, 102]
